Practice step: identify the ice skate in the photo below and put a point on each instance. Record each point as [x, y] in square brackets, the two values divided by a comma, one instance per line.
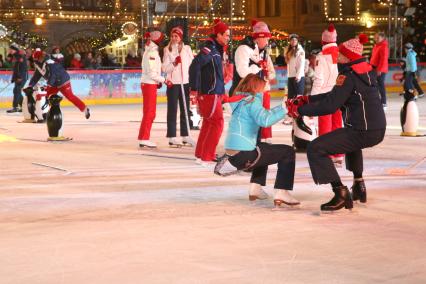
[87, 113]
[359, 191]
[59, 139]
[342, 198]
[256, 192]
[188, 141]
[147, 144]
[174, 143]
[338, 162]
[283, 197]
[288, 121]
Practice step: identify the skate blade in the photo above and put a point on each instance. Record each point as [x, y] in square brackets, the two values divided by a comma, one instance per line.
[147, 147]
[27, 121]
[285, 207]
[187, 145]
[340, 212]
[59, 139]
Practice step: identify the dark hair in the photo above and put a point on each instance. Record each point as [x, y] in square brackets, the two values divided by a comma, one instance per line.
[381, 34]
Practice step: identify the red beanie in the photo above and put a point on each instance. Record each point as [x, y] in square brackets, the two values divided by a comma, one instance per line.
[352, 49]
[260, 29]
[329, 35]
[155, 36]
[219, 27]
[177, 30]
[38, 54]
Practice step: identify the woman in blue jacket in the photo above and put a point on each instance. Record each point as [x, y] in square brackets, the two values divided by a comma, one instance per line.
[241, 144]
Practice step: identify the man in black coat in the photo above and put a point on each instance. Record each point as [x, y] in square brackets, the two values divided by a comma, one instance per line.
[19, 76]
[356, 94]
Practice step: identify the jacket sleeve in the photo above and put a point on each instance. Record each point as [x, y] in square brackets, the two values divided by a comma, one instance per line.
[318, 75]
[264, 117]
[155, 67]
[36, 77]
[328, 103]
[271, 69]
[202, 58]
[168, 60]
[242, 62]
[300, 65]
[383, 58]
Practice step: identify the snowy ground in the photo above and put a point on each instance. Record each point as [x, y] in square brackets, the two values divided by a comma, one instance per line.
[112, 213]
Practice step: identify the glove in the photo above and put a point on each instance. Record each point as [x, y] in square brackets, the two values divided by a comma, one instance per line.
[159, 85]
[263, 64]
[301, 100]
[292, 108]
[169, 84]
[177, 61]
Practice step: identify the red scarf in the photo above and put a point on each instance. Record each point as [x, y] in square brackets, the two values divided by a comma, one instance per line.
[333, 51]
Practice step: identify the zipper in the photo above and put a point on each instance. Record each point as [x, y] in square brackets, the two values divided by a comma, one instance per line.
[363, 109]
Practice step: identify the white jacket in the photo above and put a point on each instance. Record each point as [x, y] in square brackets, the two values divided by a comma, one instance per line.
[296, 66]
[325, 72]
[151, 65]
[174, 73]
[244, 54]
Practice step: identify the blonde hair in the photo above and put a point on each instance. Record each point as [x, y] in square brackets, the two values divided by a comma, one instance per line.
[251, 84]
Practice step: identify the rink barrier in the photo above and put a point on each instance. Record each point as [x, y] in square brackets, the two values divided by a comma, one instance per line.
[123, 86]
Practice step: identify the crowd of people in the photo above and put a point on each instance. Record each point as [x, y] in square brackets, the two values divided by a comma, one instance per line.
[346, 92]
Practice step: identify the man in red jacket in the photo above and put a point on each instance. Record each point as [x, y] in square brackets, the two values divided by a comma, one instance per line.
[379, 60]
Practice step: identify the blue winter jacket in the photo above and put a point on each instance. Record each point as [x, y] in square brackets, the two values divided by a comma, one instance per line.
[411, 61]
[206, 70]
[53, 72]
[248, 115]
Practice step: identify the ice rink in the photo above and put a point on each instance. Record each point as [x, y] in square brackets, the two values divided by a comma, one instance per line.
[100, 210]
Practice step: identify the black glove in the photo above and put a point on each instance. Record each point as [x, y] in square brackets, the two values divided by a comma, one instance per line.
[159, 85]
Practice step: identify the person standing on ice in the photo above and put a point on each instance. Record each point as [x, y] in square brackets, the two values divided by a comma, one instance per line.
[295, 59]
[19, 76]
[206, 81]
[248, 116]
[252, 57]
[176, 61]
[58, 80]
[324, 80]
[356, 94]
[150, 81]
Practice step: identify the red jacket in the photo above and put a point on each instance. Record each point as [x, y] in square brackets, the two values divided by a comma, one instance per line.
[380, 56]
[76, 64]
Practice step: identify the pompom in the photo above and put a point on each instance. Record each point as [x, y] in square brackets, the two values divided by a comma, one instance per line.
[363, 39]
[254, 22]
[216, 21]
[331, 28]
[147, 35]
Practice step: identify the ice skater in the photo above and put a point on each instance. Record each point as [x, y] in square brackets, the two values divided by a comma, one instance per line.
[58, 80]
[19, 76]
[356, 94]
[248, 116]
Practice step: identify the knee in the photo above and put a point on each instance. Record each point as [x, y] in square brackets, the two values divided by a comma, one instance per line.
[314, 149]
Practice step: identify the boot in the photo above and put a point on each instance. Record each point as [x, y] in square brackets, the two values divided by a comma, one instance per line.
[188, 141]
[147, 143]
[12, 110]
[359, 191]
[342, 198]
[256, 192]
[283, 196]
[173, 142]
[87, 113]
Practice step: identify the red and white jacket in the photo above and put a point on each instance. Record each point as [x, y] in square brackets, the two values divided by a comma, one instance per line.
[325, 69]
[151, 65]
[174, 73]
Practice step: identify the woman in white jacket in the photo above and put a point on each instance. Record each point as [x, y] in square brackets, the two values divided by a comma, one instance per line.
[176, 61]
[150, 81]
[295, 58]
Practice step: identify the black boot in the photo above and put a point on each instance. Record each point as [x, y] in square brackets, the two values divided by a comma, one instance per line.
[342, 198]
[359, 191]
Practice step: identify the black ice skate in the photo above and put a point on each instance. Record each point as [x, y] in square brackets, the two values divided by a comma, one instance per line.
[342, 198]
[359, 191]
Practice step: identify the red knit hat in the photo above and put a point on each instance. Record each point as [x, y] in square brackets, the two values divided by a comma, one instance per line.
[219, 27]
[155, 36]
[260, 29]
[37, 54]
[177, 30]
[329, 35]
[352, 49]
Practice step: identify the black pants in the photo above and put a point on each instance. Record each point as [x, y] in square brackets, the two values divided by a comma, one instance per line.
[417, 85]
[17, 94]
[340, 141]
[174, 94]
[382, 89]
[295, 88]
[283, 155]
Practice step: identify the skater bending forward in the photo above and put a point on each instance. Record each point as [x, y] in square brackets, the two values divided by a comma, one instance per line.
[356, 94]
[58, 80]
[248, 116]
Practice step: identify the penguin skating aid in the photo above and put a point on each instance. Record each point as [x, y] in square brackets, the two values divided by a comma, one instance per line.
[54, 120]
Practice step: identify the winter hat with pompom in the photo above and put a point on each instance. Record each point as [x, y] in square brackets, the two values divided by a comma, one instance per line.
[260, 29]
[219, 27]
[329, 35]
[352, 49]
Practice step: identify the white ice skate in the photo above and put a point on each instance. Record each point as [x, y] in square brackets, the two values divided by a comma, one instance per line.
[283, 196]
[147, 144]
[174, 143]
[338, 162]
[188, 141]
[256, 192]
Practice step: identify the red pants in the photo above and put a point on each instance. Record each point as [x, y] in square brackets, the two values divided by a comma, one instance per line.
[149, 93]
[67, 92]
[211, 129]
[328, 123]
[266, 132]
